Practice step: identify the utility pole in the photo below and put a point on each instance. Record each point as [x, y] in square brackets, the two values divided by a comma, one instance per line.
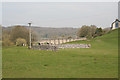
[29, 34]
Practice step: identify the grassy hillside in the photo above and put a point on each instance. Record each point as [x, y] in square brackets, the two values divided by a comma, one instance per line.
[108, 41]
[99, 61]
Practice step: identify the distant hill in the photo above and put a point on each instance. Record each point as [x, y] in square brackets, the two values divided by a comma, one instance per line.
[55, 32]
[47, 32]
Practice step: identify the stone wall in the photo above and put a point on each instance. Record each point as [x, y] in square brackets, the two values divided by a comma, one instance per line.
[56, 47]
[45, 47]
[74, 46]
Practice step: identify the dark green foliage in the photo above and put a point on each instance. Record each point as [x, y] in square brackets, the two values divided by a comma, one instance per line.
[99, 32]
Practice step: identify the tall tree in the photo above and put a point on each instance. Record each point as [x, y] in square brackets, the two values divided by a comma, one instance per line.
[83, 31]
[93, 30]
[87, 31]
[21, 32]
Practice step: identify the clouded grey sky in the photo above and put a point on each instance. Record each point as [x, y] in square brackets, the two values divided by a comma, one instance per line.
[59, 14]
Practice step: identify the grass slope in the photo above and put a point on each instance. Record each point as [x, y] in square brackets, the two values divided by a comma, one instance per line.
[109, 40]
[99, 61]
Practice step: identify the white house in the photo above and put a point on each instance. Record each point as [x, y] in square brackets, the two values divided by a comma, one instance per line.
[115, 24]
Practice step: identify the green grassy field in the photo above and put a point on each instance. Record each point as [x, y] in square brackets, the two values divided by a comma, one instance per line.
[99, 61]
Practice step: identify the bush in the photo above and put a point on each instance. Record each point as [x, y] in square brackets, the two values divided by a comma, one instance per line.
[99, 32]
[20, 42]
[7, 42]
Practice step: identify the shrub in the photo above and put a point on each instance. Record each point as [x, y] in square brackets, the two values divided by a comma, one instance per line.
[99, 32]
[20, 42]
[7, 42]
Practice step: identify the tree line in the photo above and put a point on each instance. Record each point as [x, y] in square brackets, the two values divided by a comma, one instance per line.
[91, 31]
[18, 35]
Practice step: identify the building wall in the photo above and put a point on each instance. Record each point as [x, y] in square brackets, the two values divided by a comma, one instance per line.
[114, 25]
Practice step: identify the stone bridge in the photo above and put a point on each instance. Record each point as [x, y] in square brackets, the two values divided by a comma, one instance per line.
[56, 44]
[58, 41]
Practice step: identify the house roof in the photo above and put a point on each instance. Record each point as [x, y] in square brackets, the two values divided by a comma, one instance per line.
[114, 22]
[117, 20]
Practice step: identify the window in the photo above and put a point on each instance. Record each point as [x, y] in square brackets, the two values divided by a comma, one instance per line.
[116, 25]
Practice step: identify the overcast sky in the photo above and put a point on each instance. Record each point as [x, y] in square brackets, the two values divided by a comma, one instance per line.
[59, 14]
